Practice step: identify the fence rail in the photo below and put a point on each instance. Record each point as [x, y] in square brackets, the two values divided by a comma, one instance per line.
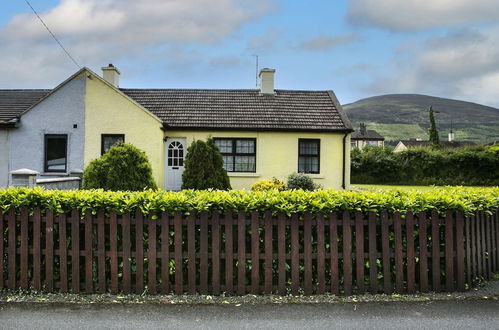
[211, 253]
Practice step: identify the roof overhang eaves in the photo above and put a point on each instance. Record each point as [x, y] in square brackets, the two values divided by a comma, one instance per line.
[254, 129]
[340, 110]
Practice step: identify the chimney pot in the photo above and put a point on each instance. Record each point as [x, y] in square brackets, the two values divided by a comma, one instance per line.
[267, 81]
[111, 74]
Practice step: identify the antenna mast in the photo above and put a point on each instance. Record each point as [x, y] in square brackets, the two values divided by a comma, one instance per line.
[256, 71]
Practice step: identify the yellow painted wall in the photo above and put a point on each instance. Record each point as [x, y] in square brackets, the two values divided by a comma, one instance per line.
[277, 155]
[109, 112]
[362, 143]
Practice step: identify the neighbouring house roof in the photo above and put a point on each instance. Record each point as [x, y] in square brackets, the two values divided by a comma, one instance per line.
[444, 144]
[243, 109]
[367, 135]
[13, 102]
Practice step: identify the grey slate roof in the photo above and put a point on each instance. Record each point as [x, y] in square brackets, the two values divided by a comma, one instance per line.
[217, 109]
[243, 109]
[13, 102]
[367, 135]
[444, 144]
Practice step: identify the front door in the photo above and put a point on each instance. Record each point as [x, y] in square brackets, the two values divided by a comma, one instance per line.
[175, 154]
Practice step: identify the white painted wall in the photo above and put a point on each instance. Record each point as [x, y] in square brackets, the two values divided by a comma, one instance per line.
[54, 115]
[4, 158]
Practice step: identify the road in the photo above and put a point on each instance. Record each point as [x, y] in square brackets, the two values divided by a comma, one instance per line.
[466, 314]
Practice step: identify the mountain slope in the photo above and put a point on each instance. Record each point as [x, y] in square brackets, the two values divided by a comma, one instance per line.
[404, 116]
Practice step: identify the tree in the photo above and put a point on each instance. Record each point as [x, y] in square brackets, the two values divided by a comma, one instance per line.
[122, 167]
[433, 132]
[204, 167]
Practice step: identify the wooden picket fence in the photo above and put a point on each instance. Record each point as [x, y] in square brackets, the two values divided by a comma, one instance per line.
[211, 253]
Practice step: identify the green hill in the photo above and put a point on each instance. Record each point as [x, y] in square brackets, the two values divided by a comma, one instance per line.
[405, 116]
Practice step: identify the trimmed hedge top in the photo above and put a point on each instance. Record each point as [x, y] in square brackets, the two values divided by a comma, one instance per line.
[296, 201]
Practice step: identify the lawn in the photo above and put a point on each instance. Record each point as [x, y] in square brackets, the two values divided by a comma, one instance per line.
[392, 187]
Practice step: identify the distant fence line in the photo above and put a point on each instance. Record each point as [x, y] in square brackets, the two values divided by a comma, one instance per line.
[210, 253]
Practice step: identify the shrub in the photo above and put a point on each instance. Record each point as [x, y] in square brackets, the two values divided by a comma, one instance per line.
[291, 201]
[464, 166]
[204, 167]
[122, 167]
[271, 184]
[374, 165]
[300, 181]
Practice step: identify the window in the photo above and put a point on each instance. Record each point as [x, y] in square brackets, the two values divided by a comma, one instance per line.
[56, 152]
[109, 140]
[239, 154]
[372, 143]
[309, 155]
[353, 143]
[176, 154]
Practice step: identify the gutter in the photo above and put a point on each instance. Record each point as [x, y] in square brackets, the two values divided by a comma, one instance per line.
[12, 123]
[344, 161]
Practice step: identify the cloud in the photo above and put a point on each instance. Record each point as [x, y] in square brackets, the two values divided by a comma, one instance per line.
[322, 43]
[462, 64]
[412, 15]
[266, 42]
[97, 32]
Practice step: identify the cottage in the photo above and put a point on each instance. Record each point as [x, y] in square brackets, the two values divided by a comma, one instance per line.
[364, 137]
[262, 133]
[406, 144]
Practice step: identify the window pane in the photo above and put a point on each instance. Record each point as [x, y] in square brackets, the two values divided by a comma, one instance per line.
[372, 143]
[229, 163]
[308, 164]
[224, 145]
[244, 163]
[56, 153]
[245, 146]
[309, 147]
[110, 140]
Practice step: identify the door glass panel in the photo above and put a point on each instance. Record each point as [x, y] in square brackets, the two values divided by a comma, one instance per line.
[175, 154]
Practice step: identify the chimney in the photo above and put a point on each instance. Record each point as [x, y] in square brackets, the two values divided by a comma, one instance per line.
[267, 81]
[363, 130]
[111, 74]
[451, 136]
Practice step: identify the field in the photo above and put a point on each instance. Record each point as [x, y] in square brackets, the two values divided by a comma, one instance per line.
[395, 187]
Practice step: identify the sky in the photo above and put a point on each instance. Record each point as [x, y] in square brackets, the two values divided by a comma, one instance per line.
[357, 48]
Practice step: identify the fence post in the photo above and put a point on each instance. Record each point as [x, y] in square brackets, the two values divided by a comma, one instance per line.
[215, 255]
[179, 285]
[385, 245]
[347, 256]
[268, 223]
[449, 251]
[460, 251]
[373, 254]
[307, 253]
[399, 265]
[411, 266]
[241, 253]
[359, 251]
[1, 251]
[435, 250]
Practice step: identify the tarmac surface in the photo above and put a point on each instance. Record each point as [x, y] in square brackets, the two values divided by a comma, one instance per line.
[449, 314]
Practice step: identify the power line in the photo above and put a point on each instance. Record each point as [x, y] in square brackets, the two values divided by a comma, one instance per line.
[53, 36]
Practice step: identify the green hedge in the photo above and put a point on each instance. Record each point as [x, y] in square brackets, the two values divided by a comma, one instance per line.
[424, 166]
[450, 198]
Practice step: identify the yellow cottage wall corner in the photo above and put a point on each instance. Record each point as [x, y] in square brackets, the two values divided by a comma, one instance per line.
[108, 111]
